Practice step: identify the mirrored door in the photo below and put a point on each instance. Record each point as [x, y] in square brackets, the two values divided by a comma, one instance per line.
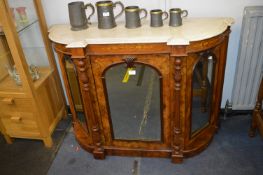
[134, 101]
[133, 96]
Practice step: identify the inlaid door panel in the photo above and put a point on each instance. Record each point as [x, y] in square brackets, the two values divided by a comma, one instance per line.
[131, 93]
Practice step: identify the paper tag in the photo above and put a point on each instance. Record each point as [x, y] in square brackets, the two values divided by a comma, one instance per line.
[106, 14]
[132, 72]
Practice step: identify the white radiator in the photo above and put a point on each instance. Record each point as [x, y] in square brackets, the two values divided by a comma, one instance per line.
[250, 60]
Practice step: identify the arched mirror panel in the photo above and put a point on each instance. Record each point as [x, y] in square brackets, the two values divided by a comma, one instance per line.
[134, 101]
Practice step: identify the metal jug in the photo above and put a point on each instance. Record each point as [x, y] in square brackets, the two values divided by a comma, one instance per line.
[176, 15]
[77, 15]
[157, 17]
[106, 18]
[132, 16]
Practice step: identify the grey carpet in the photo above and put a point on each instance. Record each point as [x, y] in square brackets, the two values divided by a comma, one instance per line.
[30, 157]
[231, 152]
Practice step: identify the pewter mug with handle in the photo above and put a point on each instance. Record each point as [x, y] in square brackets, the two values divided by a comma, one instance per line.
[176, 15]
[106, 18]
[77, 15]
[157, 17]
[132, 16]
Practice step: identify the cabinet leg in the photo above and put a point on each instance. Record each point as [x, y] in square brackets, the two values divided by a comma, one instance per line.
[8, 139]
[253, 126]
[177, 159]
[48, 142]
[65, 114]
[98, 154]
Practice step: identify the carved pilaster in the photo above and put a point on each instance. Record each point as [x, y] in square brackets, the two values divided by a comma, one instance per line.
[82, 70]
[177, 154]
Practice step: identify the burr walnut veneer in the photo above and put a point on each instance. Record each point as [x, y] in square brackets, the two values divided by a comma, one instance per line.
[184, 68]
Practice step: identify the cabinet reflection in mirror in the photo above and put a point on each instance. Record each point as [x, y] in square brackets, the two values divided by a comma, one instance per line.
[134, 102]
[75, 91]
[203, 77]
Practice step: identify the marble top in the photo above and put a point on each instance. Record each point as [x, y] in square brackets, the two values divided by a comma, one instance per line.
[193, 29]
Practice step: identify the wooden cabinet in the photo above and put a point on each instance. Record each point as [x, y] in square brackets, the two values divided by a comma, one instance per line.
[146, 92]
[31, 97]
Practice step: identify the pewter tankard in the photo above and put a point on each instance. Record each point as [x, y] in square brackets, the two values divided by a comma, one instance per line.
[77, 15]
[106, 18]
[176, 15]
[132, 16]
[157, 17]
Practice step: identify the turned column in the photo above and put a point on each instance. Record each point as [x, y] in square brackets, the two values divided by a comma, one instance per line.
[177, 153]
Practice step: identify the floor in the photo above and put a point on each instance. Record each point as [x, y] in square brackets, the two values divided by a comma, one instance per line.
[30, 157]
[231, 152]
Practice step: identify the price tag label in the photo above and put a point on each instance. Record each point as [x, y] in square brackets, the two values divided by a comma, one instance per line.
[128, 73]
[132, 72]
[106, 14]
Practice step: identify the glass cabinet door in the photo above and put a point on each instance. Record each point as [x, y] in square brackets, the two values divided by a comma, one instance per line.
[75, 92]
[203, 80]
[25, 20]
[7, 78]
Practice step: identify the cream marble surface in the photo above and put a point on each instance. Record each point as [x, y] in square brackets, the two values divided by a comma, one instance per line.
[193, 29]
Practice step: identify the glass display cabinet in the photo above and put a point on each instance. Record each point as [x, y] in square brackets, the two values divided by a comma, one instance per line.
[152, 92]
[31, 97]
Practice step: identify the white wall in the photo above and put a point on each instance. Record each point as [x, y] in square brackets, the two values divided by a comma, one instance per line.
[56, 11]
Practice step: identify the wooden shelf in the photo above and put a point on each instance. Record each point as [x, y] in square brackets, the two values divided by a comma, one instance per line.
[21, 28]
[7, 84]
[45, 72]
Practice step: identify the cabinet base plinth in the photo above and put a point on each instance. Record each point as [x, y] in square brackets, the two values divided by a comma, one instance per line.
[98, 155]
[177, 158]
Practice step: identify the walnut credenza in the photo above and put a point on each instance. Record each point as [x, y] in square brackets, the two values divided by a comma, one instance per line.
[153, 92]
